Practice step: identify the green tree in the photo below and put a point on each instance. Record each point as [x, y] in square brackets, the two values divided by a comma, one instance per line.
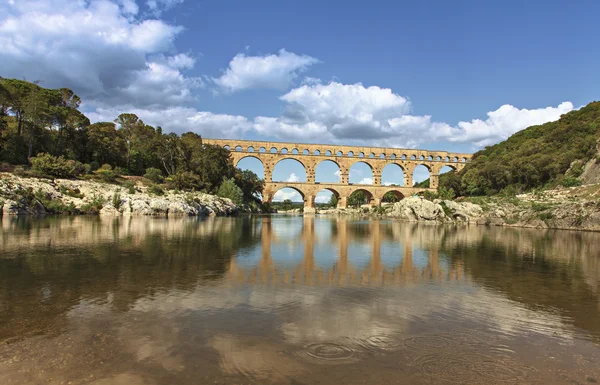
[250, 184]
[229, 189]
[333, 201]
[390, 197]
[358, 198]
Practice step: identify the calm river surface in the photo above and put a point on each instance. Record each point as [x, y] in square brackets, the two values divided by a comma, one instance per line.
[295, 300]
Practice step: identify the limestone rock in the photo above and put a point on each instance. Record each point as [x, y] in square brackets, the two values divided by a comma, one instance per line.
[463, 211]
[418, 209]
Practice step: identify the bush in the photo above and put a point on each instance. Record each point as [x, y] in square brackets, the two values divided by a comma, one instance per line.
[19, 171]
[75, 193]
[154, 175]
[229, 189]
[106, 173]
[446, 193]
[53, 166]
[116, 200]
[94, 205]
[130, 186]
[429, 195]
[183, 180]
[570, 182]
[156, 190]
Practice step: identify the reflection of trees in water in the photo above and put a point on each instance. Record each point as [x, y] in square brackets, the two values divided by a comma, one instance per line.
[39, 283]
[550, 270]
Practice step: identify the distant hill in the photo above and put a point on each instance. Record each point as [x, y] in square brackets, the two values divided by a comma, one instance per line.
[548, 155]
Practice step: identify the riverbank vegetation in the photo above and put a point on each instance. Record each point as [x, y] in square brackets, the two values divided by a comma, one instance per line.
[539, 157]
[43, 134]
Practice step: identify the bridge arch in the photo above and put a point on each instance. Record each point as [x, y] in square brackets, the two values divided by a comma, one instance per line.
[393, 173]
[296, 170]
[356, 199]
[421, 172]
[327, 170]
[280, 195]
[324, 196]
[360, 172]
[385, 197]
[237, 162]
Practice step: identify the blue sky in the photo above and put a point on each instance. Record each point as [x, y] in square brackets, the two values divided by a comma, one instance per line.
[428, 74]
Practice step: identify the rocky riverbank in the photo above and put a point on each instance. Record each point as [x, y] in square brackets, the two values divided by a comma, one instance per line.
[575, 208]
[33, 196]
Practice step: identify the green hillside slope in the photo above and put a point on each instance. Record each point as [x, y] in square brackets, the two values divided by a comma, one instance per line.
[538, 156]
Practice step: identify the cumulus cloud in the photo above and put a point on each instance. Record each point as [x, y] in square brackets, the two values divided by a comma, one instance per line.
[287, 193]
[276, 71]
[322, 198]
[355, 114]
[366, 181]
[504, 122]
[183, 119]
[335, 111]
[114, 57]
[293, 178]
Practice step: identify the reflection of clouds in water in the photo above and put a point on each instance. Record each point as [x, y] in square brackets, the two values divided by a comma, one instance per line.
[320, 314]
[254, 358]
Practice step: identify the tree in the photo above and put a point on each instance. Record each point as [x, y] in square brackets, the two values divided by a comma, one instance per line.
[129, 127]
[357, 198]
[390, 197]
[105, 145]
[333, 201]
[229, 189]
[250, 184]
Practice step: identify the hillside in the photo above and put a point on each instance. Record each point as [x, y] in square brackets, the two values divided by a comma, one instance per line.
[544, 156]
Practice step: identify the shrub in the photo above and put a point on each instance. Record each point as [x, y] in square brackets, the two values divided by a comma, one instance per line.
[229, 189]
[116, 200]
[106, 173]
[130, 186]
[570, 182]
[19, 171]
[429, 195]
[75, 193]
[54, 166]
[183, 180]
[156, 190]
[446, 193]
[154, 175]
[94, 205]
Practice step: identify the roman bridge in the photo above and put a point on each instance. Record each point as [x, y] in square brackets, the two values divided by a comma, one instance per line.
[311, 155]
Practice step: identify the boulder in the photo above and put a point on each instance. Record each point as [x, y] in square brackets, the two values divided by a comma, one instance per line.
[463, 211]
[417, 209]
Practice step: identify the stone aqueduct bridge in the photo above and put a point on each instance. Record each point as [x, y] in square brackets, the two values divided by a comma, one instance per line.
[310, 155]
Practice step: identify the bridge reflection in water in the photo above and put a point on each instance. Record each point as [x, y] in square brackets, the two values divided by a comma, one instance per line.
[374, 256]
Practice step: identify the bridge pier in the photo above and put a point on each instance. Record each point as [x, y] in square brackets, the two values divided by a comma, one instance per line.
[342, 202]
[309, 204]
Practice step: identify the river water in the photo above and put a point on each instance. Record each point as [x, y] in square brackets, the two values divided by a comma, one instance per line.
[295, 300]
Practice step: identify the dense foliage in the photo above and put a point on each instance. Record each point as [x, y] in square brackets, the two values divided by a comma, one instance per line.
[43, 128]
[547, 155]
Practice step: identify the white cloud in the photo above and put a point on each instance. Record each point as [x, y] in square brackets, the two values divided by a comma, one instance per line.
[322, 198]
[504, 122]
[355, 114]
[158, 6]
[293, 178]
[113, 57]
[366, 181]
[334, 112]
[182, 119]
[287, 193]
[276, 71]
